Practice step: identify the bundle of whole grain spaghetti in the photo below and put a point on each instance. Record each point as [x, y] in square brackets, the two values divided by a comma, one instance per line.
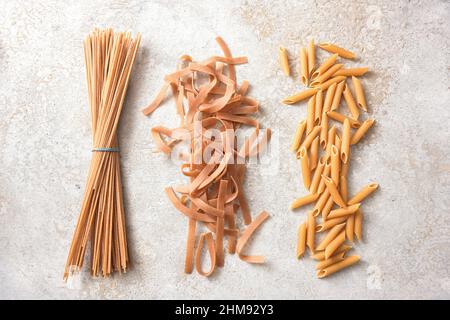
[109, 57]
[325, 172]
[211, 108]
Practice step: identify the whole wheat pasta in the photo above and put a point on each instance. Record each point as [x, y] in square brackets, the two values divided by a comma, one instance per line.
[332, 188]
[310, 233]
[304, 162]
[357, 72]
[301, 243]
[301, 127]
[321, 254]
[341, 118]
[207, 97]
[350, 228]
[361, 131]
[325, 85]
[334, 232]
[363, 193]
[317, 176]
[351, 104]
[310, 114]
[284, 61]
[347, 262]
[359, 92]
[304, 66]
[337, 50]
[325, 66]
[310, 138]
[300, 96]
[358, 224]
[318, 108]
[329, 223]
[335, 164]
[311, 57]
[335, 244]
[345, 146]
[338, 95]
[304, 200]
[314, 154]
[324, 131]
[326, 75]
[109, 58]
[329, 98]
[341, 212]
[327, 208]
[330, 261]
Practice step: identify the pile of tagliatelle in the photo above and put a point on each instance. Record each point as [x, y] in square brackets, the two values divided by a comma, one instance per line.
[208, 101]
[325, 172]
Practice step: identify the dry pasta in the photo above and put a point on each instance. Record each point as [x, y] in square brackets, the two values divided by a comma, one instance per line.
[335, 49]
[284, 61]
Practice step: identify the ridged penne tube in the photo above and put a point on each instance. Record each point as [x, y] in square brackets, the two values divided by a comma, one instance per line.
[316, 177]
[321, 203]
[310, 137]
[351, 104]
[345, 146]
[358, 224]
[337, 96]
[324, 86]
[324, 131]
[357, 72]
[284, 61]
[341, 118]
[318, 107]
[359, 92]
[337, 141]
[298, 136]
[330, 223]
[335, 165]
[301, 240]
[365, 126]
[300, 96]
[327, 208]
[334, 232]
[310, 233]
[337, 50]
[342, 212]
[314, 153]
[366, 191]
[329, 98]
[306, 172]
[310, 114]
[332, 188]
[344, 169]
[321, 255]
[343, 187]
[328, 262]
[304, 66]
[326, 172]
[350, 227]
[335, 244]
[311, 57]
[325, 66]
[326, 75]
[297, 203]
[347, 262]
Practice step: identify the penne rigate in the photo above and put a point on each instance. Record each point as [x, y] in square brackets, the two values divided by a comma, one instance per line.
[300, 96]
[347, 262]
[365, 192]
[318, 108]
[365, 126]
[304, 66]
[345, 146]
[298, 136]
[325, 66]
[306, 172]
[284, 61]
[301, 242]
[337, 96]
[311, 57]
[357, 72]
[310, 113]
[351, 104]
[359, 92]
[338, 50]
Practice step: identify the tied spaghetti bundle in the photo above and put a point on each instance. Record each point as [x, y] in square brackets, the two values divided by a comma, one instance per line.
[109, 58]
[211, 108]
[325, 173]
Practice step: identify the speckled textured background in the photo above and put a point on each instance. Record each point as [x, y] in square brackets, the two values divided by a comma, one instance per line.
[45, 141]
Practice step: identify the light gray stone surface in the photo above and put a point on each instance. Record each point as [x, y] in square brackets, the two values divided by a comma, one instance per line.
[45, 141]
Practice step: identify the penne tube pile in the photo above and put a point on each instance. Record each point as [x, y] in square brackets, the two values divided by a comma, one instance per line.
[208, 99]
[324, 153]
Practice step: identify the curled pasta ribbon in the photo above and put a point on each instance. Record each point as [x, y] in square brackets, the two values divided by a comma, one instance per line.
[205, 238]
[246, 236]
